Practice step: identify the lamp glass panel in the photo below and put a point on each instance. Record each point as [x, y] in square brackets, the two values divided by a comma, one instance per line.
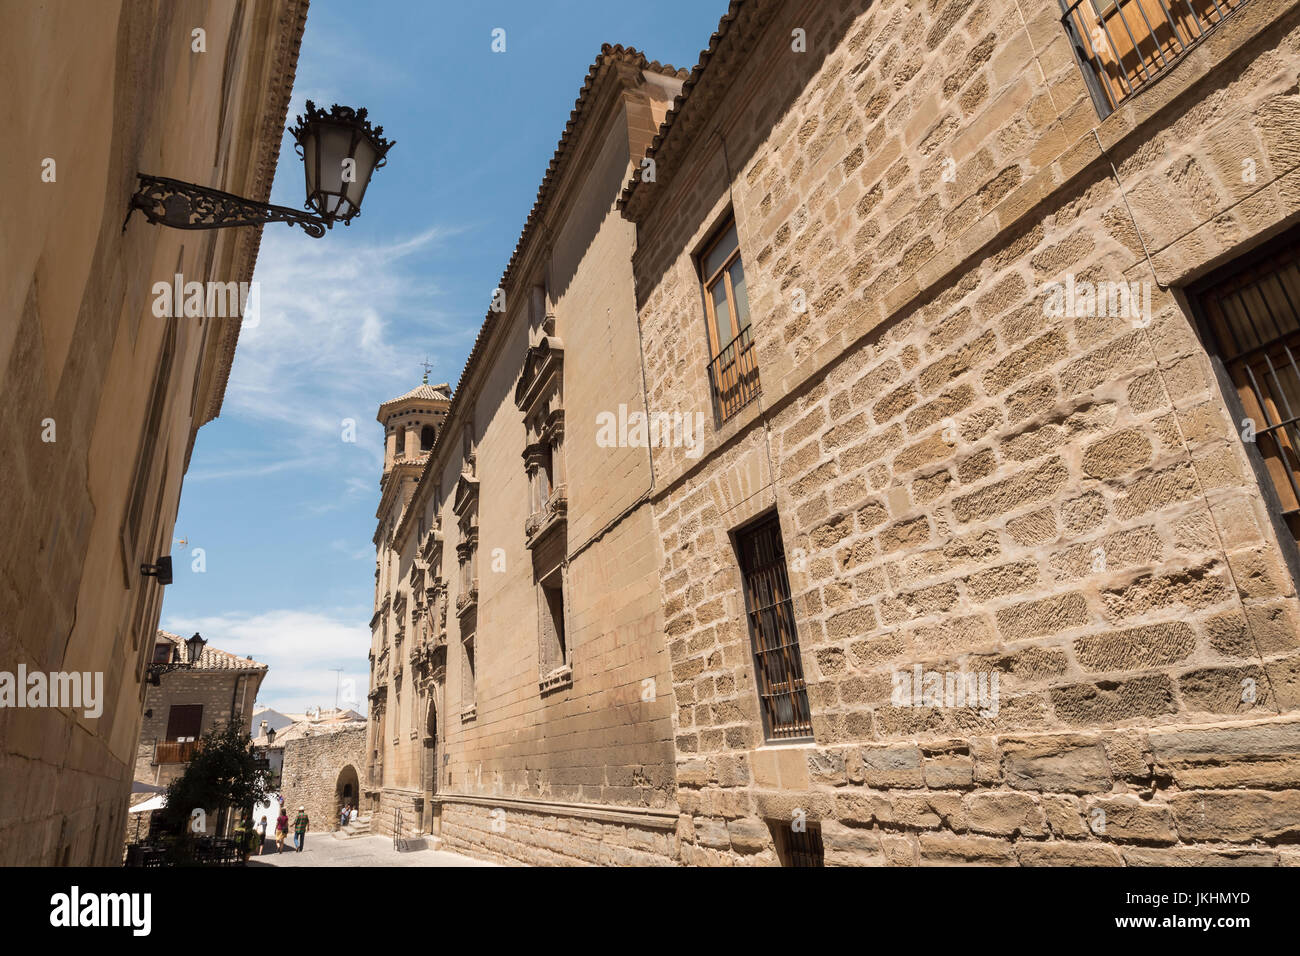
[309, 144]
[335, 143]
[365, 156]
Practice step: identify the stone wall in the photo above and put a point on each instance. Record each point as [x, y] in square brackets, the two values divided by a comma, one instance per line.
[523, 730]
[223, 694]
[514, 832]
[313, 768]
[964, 481]
[94, 402]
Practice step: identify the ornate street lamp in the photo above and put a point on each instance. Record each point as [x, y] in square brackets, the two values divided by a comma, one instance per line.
[340, 151]
[195, 647]
[193, 652]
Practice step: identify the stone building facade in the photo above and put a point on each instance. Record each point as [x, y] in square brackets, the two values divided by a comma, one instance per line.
[971, 468]
[187, 702]
[323, 771]
[984, 549]
[519, 674]
[100, 400]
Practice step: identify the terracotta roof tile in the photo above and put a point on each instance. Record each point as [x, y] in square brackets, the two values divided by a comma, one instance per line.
[213, 658]
[741, 21]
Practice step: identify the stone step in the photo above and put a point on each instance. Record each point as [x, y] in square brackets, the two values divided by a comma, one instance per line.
[360, 828]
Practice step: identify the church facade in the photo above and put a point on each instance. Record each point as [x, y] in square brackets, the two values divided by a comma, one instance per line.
[884, 454]
[520, 703]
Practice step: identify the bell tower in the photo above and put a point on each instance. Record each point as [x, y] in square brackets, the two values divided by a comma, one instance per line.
[412, 422]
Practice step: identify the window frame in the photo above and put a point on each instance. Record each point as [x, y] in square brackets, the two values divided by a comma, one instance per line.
[799, 849]
[1092, 64]
[723, 274]
[725, 410]
[1194, 295]
[185, 710]
[773, 735]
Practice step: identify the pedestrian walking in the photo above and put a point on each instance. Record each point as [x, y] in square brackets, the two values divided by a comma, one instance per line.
[281, 829]
[261, 835]
[300, 823]
[242, 833]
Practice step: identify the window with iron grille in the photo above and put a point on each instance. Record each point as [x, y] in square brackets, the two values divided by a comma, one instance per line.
[802, 847]
[733, 366]
[1250, 318]
[1124, 44]
[778, 670]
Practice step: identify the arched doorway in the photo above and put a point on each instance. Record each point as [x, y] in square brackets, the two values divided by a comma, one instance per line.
[347, 791]
[431, 748]
[431, 810]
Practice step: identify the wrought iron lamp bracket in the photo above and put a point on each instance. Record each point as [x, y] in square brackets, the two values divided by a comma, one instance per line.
[182, 205]
[156, 671]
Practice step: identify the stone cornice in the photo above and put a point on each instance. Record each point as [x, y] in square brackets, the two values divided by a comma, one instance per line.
[267, 131]
[656, 819]
[694, 110]
[610, 77]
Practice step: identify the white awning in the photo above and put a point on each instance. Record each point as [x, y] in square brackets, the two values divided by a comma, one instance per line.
[153, 803]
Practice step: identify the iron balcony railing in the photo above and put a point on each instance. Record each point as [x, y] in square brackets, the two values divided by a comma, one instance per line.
[1122, 45]
[173, 751]
[733, 374]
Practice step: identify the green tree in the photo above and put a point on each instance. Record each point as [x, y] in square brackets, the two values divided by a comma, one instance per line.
[224, 774]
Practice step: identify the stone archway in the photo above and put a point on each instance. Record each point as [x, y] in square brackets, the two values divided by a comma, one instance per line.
[430, 765]
[347, 791]
[430, 762]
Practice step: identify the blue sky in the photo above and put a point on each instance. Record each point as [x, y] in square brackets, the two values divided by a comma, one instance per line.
[281, 505]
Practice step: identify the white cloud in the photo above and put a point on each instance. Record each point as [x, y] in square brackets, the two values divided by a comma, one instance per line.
[301, 649]
[343, 323]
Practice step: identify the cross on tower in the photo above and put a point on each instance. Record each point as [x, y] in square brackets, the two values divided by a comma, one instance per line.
[428, 367]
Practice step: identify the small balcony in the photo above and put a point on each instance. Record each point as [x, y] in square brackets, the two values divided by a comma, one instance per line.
[554, 513]
[733, 375]
[173, 751]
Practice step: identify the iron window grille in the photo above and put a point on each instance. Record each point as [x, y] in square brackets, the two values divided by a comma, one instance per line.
[778, 669]
[799, 848]
[1123, 45]
[1250, 318]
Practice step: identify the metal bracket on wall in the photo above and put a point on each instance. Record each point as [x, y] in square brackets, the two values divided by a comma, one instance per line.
[181, 205]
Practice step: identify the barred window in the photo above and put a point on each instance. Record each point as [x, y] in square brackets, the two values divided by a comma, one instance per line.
[1251, 317]
[778, 670]
[1124, 44]
[801, 847]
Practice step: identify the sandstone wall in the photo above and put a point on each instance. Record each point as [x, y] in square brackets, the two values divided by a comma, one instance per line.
[223, 694]
[519, 834]
[948, 459]
[313, 769]
[603, 737]
[106, 91]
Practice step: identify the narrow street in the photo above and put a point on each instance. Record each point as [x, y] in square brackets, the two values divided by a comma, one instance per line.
[324, 849]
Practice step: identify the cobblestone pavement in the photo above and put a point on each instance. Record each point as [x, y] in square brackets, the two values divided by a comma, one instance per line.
[323, 849]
